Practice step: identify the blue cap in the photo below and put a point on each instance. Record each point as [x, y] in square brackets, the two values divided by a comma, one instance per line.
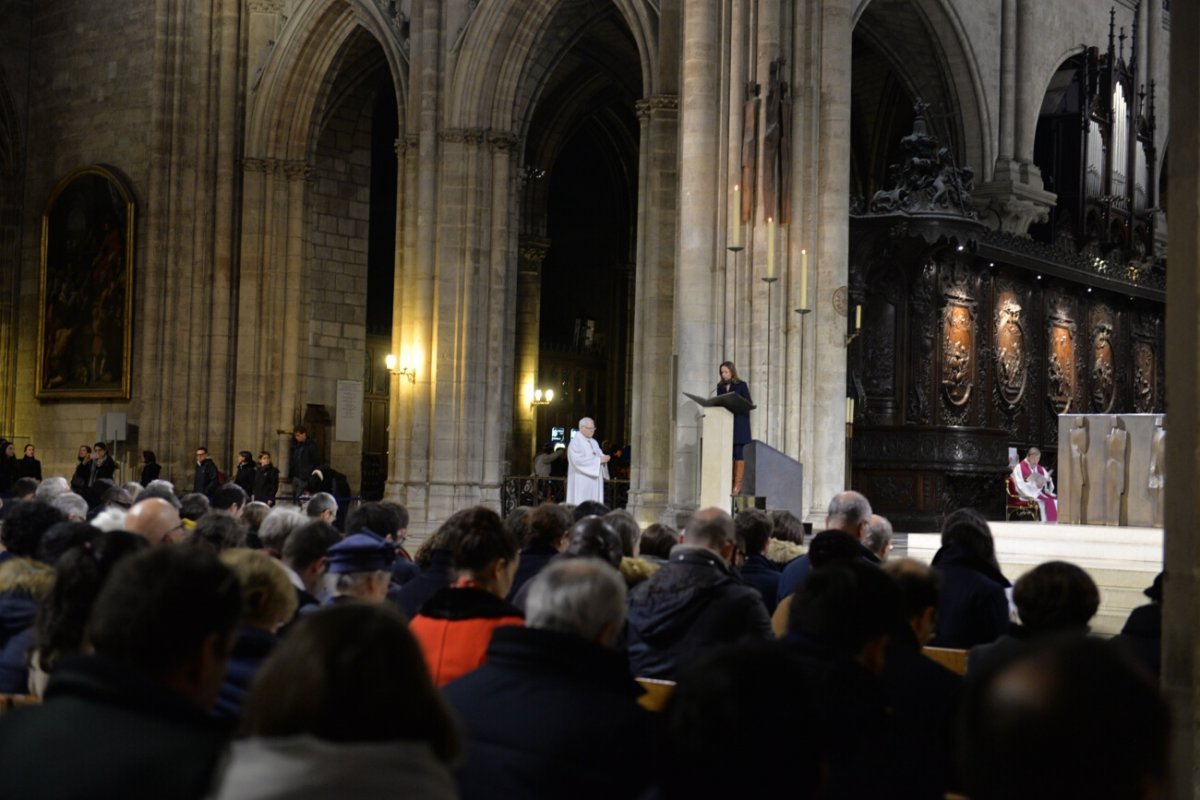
[361, 552]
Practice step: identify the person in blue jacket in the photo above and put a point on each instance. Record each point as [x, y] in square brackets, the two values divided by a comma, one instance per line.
[730, 382]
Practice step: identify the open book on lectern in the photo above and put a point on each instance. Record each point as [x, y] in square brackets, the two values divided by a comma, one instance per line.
[730, 401]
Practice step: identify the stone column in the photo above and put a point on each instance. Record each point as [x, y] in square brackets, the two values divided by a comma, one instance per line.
[1181, 601]
[824, 390]
[658, 195]
[1015, 197]
[697, 323]
[530, 257]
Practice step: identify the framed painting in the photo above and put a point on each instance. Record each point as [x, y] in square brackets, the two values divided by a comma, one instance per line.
[85, 330]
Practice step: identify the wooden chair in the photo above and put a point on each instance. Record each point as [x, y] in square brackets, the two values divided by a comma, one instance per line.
[10, 701]
[1017, 506]
[948, 657]
[658, 692]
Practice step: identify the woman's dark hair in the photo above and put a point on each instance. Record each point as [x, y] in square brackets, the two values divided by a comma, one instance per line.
[62, 537]
[733, 376]
[477, 538]
[1056, 596]
[969, 531]
[78, 578]
[657, 540]
[548, 523]
[626, 527]
[595, 537]
[246, 454]
[786, 526]
[149, 457]
[350, 673]
[25, 525]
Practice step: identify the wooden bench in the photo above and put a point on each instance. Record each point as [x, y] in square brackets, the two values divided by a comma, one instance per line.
[658, 692]
[948, 657]
[10, 701]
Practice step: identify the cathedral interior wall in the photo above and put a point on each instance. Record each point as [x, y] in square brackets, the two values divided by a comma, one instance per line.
[90, 101]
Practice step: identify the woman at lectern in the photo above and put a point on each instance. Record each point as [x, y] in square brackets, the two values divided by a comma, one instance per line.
[730, 382]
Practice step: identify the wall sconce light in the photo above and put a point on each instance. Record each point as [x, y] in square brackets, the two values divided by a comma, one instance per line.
[407, 372]
[542, 398]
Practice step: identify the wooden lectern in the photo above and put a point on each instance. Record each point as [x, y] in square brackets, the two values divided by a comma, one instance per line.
[716, 445]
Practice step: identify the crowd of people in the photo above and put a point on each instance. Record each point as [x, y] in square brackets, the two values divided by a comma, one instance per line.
[211, 645]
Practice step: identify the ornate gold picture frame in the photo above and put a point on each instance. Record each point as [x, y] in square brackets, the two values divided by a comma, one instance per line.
[85, 309]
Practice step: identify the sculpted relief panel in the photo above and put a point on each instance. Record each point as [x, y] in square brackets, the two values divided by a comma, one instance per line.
[1060, 362]
[1011, 374]
[1103, 369]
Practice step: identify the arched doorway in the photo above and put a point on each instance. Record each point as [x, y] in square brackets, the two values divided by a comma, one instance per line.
[578, 228]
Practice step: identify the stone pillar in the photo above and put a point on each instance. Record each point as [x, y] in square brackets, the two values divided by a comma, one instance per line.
[697, 321]
[823, 443]
[1008, 85]
[1181, 601]
[658, 195]
[530, 257]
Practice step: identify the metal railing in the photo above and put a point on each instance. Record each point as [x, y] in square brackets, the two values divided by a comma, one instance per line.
[532, 490]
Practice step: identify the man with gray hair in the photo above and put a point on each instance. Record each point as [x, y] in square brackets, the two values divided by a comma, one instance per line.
[587, 466]
[879, 537]
[693, 603]
[73, 507]
[51, 488]
[322, 506]
[848, 512]
[553, 688]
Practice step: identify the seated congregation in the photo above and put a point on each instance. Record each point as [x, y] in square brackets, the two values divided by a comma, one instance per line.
[154, 646]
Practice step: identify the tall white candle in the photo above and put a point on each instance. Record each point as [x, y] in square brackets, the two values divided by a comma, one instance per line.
[770, 247]
[804, 279]
[736, 216]
[858, 317]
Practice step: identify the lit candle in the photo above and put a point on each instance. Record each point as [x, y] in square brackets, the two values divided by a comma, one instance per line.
[804, 279]
[770, 247]
[850, 410]
[857, 317]
[737, 216]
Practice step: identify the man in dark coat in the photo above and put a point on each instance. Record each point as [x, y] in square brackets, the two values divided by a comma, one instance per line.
[29, 466]
[131, 720]
[244, 476]
[923, 694]
[206, 473]
[266, 480]
[694, 602]
[553, 712]
[847, 511]
[758, 571]
[303, 460]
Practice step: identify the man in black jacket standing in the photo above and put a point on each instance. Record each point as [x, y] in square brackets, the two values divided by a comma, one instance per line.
[694, 603]
[206, 473]
[302, 462]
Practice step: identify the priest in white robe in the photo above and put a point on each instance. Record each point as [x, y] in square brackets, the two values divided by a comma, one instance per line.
[1034, 482]
[587, 465]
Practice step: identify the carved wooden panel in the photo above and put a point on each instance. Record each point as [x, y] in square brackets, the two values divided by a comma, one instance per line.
[1103, 372]
[1012, 375]
[1060, 361]
[1145, 377]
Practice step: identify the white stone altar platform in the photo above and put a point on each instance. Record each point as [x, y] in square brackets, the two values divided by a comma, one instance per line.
[1122, 561]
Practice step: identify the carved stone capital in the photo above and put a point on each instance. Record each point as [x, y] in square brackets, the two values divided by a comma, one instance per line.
[531, 253]
[647, 106]
[1014, 200]
[265, 6]
[463, 135]
[502, 142]
[297, 170]
[263, 165]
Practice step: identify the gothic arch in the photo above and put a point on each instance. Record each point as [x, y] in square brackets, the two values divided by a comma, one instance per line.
[957, 74]
[509, 48]
[281, 119]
